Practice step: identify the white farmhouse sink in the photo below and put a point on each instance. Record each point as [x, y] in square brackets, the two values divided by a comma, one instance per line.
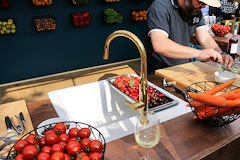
[101, 106]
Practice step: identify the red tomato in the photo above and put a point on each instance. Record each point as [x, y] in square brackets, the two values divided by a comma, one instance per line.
[95, 156]
[84, 133]
[84, 143]
[67, 156]
[19, 157]
[57, 156]
[73, 147]
[83, 154]
[75, 139]
[60, 128]
[52, 138]
[20, 144]
[82, 157]
[73, 132]
[48, 132]
[46, 149]
[43, 156]
[63, 144]
[56, 147]
[64, 137]
[32, 139]
[42, 142]
[96, 146]
[30, 152]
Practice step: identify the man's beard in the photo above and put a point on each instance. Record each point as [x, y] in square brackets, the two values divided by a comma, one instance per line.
[190, 10]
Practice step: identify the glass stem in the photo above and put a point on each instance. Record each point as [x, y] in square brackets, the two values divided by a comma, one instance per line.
[146, 158]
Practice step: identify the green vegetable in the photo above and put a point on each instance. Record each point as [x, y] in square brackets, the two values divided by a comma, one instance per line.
[112, 16]
[234, 69]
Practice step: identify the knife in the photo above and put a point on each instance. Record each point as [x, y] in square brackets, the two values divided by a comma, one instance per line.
[181, 92]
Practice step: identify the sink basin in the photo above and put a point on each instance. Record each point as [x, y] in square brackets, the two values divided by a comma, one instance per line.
[101, 106]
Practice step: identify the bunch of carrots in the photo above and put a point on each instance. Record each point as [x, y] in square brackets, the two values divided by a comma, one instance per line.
[218, 105]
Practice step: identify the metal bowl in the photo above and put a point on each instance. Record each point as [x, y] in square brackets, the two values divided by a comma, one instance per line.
[213, 115]
[95, 135]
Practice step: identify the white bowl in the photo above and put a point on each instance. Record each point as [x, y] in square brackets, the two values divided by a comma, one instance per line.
[224, 76]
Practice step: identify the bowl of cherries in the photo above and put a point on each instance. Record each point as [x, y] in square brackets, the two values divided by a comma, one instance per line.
[128, 86]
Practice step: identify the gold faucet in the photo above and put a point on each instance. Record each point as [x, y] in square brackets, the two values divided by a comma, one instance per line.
[142, 105]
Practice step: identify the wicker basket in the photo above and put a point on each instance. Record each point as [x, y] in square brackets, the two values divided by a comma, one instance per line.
[213, 115]
[95, 135]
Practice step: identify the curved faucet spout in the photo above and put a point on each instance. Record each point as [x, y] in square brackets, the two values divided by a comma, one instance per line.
[142, 105]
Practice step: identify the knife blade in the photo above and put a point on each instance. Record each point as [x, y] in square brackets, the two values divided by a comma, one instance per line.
[180, 92]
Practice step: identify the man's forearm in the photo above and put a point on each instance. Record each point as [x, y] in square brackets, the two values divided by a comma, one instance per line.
[210, 43]
[172, 49]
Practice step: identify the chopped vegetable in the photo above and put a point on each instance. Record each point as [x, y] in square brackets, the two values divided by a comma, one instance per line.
[234, 69]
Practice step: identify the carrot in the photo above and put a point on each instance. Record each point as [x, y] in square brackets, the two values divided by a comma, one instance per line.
[215, 100]
[210, 99]
[218, 88]
[223, 111]
[233, 103]
[236, 90]
[206, 112]
[195, 103]
[230, 95]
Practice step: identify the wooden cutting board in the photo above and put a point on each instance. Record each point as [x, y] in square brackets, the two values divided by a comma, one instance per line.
[12, 109]
[188, 73]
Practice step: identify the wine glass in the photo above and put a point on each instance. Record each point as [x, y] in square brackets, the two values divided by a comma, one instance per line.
[148, 135]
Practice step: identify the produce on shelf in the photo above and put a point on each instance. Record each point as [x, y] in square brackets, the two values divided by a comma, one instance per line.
[129, 85]
[4, 3]
[45, 24]
[60, 143]
[139, 15]
[81, 19]
[220, 30]
[79, 2]
[110, 1]
[41, 2]
[7, 27]
[112, 16]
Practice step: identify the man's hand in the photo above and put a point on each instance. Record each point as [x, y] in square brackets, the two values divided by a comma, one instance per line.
[210, 54]
[227, 60]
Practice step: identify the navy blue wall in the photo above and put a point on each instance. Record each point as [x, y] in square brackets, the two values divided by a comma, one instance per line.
[28, 53]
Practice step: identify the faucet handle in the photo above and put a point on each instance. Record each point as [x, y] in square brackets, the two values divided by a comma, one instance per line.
[135, 106]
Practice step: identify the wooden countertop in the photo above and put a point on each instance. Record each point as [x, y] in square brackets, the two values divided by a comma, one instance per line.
[182, 137]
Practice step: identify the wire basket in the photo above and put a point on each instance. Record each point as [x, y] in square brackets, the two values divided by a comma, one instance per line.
[211, 114]
[95, 135]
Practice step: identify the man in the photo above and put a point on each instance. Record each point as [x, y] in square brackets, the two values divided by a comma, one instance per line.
[205, 10]
[227, 8]
[171, 23]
